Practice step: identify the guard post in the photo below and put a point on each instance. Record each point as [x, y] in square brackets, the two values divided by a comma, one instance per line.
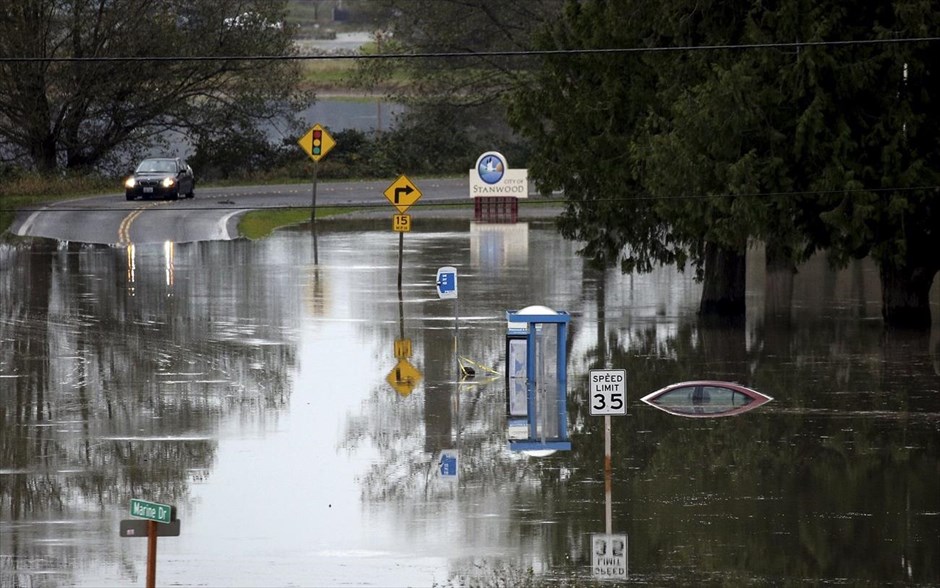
[541, 334]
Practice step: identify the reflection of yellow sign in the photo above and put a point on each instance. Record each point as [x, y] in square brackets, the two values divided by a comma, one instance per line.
[317, 142]
[404, 377]
[401, 223]
[402, 348]
[402, 194]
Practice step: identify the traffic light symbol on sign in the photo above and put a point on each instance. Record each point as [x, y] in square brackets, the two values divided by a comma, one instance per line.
[317, 142]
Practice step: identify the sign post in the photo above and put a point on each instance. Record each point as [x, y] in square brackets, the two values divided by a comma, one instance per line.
[447, 288]
[155, 514]
[316, 144]
[608, 397]
[402, 193]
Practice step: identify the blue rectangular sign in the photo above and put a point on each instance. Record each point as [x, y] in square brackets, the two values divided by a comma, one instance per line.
[447, 282]
[447, 464]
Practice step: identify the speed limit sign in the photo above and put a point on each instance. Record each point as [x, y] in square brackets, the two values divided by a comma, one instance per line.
[608, 392]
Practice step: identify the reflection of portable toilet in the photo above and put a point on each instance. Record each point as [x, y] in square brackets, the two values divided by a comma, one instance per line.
[537, 379]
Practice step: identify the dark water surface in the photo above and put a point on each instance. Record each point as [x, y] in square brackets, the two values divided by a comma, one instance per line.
[250, 388]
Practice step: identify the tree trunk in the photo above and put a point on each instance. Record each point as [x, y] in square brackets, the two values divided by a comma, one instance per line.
[778, 290]
[724, 284]
[43, 153]
[905, 296]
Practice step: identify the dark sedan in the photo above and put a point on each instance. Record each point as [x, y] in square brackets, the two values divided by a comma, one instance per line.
[165, 177]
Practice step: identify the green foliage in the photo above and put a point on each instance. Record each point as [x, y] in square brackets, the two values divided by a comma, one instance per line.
[582, 114]
[81, 114]
[802, 147]
[456, 104]
[252, 155]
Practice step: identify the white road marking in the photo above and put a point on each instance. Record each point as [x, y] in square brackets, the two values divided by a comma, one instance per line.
[26, 226]
[223, 222]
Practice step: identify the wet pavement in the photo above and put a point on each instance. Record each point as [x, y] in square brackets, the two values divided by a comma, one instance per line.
[264, 396]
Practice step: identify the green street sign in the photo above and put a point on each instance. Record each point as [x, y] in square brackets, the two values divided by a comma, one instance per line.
[152, 511]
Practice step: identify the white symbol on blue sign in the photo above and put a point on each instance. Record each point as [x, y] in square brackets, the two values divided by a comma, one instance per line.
[448, 464]
[491, 166]
[447, 282]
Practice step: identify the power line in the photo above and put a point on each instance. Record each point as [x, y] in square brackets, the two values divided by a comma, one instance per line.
[478, 54]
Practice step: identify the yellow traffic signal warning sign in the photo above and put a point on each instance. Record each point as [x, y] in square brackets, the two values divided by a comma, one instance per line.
[403, 377]
[402, 194]
[317, 142]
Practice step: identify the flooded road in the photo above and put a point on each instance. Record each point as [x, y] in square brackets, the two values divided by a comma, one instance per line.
[257, 392]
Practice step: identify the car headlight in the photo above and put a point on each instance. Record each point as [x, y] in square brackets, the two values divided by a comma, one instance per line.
[130, 182]
[168, 182]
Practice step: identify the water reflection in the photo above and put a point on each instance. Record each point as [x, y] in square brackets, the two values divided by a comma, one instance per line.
[108, 396]
[248, 387]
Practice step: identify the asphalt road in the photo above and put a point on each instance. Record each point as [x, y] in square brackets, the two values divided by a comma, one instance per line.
[212, 214]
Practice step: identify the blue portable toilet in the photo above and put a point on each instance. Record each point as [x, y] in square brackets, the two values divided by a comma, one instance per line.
[537, 379]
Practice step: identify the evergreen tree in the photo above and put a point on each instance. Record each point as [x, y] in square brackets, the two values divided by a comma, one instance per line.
[779, 122]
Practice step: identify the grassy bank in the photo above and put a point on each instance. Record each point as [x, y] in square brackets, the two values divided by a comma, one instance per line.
[259, 224]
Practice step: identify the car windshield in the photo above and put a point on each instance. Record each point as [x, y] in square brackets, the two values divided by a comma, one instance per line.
[157, 165]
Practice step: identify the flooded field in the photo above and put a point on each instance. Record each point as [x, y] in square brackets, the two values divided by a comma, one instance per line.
[295, 413]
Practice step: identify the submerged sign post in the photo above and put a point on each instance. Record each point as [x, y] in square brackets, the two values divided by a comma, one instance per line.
[155, 515]
[446, 283]
[402, 194]
[608, 397]
[316, 143]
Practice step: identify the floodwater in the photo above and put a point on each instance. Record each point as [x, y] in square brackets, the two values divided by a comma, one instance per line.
[260, 394]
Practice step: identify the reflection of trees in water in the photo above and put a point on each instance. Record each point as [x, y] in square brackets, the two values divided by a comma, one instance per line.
[847, 452]
[502, 499]
[739, 494]
[114, 381]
